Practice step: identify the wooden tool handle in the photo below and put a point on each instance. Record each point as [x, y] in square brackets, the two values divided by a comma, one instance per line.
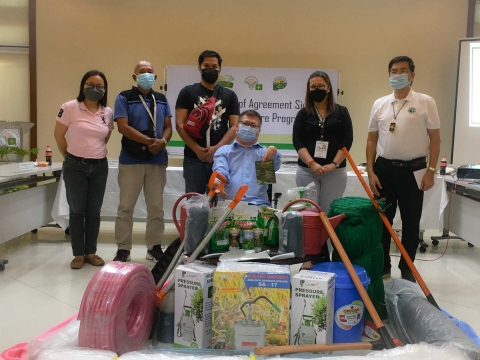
[292, 349]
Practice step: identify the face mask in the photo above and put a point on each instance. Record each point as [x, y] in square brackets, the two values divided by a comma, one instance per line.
[210, 75]
[398, 82]
[93, 94]
[246, 133]
[145, 81]
[318, 95]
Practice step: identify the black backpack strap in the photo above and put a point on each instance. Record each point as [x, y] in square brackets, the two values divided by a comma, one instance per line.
[216, 90]
[152, 110]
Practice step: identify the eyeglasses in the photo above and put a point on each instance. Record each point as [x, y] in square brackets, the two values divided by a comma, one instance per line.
[319, 87]
[99, 87]
[401, 72]
[253, 126]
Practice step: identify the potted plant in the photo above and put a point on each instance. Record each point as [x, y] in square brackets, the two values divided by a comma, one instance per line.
[6, 150]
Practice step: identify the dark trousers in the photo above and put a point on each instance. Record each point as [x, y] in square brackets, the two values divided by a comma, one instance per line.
[85, 185]
[196, 174]
[399, 187]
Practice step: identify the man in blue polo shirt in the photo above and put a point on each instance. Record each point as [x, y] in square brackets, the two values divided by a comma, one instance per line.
[144, 119]
[237, 161]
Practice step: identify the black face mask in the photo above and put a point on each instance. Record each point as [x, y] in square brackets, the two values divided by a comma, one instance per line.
[318, 95]
[210, 75]
[93, 94]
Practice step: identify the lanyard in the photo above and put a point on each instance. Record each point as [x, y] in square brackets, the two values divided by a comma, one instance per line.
[154, 117]
[393, 107]
[321, 122]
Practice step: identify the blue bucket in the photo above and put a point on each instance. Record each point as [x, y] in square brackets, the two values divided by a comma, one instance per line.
[349, 307]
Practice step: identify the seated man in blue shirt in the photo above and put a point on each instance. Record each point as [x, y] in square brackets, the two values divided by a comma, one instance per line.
[237, 161]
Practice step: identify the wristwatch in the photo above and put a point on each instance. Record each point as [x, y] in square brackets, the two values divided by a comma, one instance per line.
[336, 164]
[432, 168]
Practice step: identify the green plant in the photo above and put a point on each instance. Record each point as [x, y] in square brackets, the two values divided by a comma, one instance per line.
[14, 189]
[5, 150]
[319, 312]
[197, 304]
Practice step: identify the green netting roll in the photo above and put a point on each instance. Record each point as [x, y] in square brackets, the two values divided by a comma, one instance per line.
[354, 207]
[361, 230]
[376, 292]
[371, 261]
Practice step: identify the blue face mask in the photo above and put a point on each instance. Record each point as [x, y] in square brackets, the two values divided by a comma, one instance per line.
[246, 133]
[146, 80]
[398, 82]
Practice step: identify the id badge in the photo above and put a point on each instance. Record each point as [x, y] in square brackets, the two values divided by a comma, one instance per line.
[321, 148]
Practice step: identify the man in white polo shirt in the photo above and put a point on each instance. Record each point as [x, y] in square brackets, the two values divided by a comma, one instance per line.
[404, 130]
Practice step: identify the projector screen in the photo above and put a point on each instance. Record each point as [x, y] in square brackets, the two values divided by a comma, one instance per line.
[466, 127]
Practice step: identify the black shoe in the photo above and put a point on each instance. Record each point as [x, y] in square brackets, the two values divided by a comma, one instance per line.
[387, 274]
[122, 255]
[155, 254]
[408, 275]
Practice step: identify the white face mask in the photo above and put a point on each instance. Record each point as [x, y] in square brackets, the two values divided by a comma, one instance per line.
[398, 82]
[246, 133]
[145, 80]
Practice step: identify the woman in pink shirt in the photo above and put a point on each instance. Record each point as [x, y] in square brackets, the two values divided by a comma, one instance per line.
[89, 123]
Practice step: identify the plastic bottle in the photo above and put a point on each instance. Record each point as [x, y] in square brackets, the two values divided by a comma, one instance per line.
[443, 165]
[48, 155]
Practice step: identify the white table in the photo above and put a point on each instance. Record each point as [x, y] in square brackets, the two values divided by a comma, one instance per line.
[434, 202]
[174, 188]
[29, 209]
[464, 209]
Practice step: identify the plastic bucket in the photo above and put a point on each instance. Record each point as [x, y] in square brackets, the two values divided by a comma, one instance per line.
[349, 307]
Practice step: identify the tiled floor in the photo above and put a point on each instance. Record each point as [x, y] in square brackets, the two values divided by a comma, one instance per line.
[38, 289]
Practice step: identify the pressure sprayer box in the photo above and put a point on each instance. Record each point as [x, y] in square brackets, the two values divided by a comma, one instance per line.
[313, 296]
[251, 304]
[193, 305]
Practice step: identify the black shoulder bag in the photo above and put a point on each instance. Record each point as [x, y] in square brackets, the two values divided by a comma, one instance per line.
[137, 149]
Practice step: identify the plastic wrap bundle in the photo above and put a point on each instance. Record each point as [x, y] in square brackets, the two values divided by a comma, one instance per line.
[291, 239]
[303, 192]
[76, 354]
[361, 230]
[415, 320]
[198, 222]
[64, 335]
[117, 308]
[409, 352]
[198, 354]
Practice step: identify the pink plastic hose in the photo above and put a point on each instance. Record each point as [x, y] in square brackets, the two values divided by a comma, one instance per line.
[117, 308]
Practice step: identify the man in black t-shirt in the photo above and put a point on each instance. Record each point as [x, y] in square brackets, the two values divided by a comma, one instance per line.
[198, 153]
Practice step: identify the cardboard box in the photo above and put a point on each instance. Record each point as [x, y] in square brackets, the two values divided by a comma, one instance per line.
[312, 313]
[251, 304]
[193, 305]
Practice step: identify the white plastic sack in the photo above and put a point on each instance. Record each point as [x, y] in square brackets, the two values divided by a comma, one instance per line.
[152, 355]
[67, 336]
[421, 351]
[75, 354]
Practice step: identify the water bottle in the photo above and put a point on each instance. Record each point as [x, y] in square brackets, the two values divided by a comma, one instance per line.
[48, 155]
[443, 165]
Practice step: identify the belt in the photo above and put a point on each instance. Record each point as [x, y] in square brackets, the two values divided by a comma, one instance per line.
[401, 163]
[87, 161]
